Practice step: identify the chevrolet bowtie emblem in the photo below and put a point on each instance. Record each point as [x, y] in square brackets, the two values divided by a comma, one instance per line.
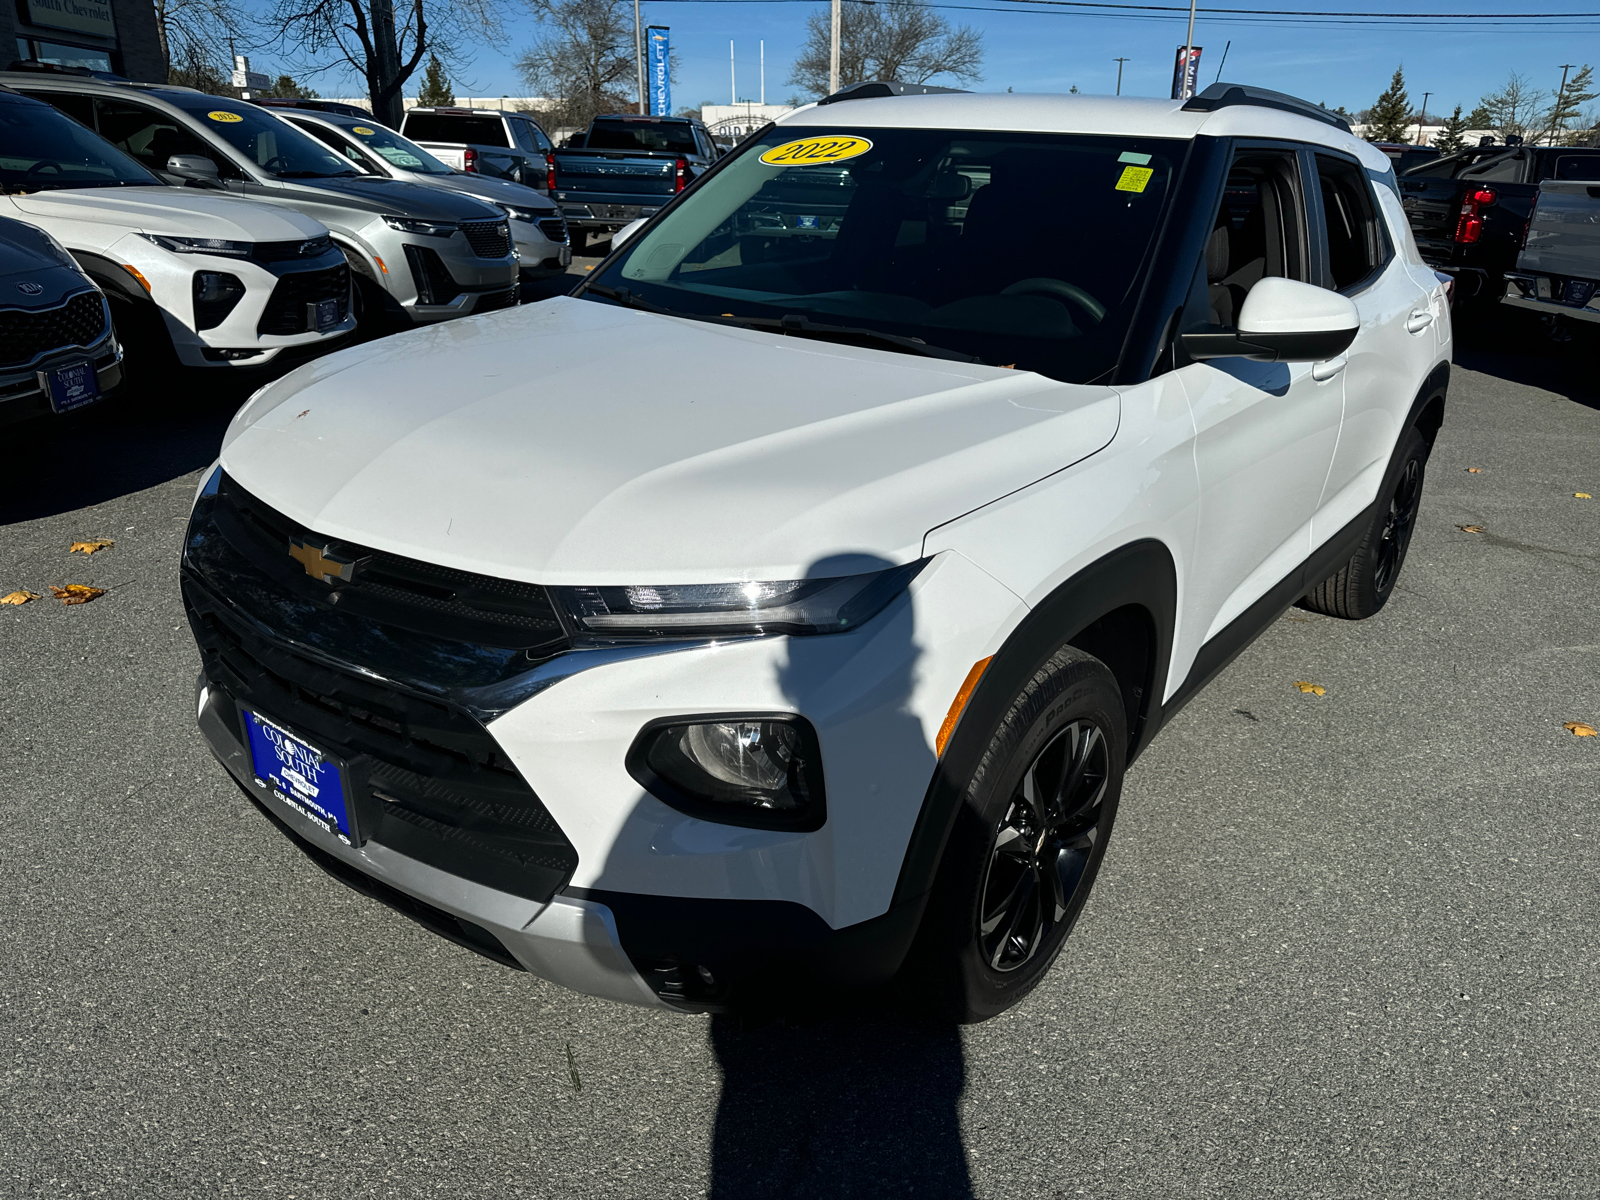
[320, 564]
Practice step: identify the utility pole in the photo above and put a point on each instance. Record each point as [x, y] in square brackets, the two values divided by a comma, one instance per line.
[1560, 96]
[1188, 49]
[1119, 63]
[733, 78]
[1423, 119]
[638, 54]
[763, 71]
[833, 53]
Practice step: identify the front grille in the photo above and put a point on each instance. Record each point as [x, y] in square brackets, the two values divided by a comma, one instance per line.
[390, 588]
[554, 228]
[29, 335]
[286, 311]
[489, 301]
[424, 777]
[270, 252]
[488, 239]
[435, 284]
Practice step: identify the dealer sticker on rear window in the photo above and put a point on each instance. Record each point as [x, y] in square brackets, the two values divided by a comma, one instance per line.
[362, 130]
[813, 151]
[1134, 179]
[227, 118]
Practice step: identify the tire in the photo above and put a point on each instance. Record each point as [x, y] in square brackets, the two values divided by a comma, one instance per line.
[578, 240]
[1364, 584]
[148, 358]
[1020, 862]
[372, 317]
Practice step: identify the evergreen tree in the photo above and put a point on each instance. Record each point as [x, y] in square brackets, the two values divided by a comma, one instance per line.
[1450, 137]
[1577, 92]
[436, 89]
[287, 89]
[1390, 118]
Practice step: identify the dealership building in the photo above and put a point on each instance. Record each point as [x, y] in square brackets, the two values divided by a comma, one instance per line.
[102, 35]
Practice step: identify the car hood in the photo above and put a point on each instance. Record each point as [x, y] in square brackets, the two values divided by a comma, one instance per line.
[182, 212]
[495, 191]
[395, 196]
[573, 442]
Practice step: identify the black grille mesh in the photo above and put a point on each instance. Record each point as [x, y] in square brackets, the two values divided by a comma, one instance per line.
[25, 336]
[554, 228]
[488, 239]
[286, 309]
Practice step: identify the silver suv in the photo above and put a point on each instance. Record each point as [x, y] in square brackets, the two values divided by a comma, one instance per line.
[418, 253]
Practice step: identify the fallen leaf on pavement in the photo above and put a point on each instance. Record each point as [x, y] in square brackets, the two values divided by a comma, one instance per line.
[1474, 470]
[21, 597]
[90, 546]
[1309, 688]
[76, 593]
[1470, 528]
[1579, 729]
[1582, 496]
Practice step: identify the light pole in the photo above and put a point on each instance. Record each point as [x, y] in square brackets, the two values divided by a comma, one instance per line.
[1423, 119]
[1188, 49]
[833, 52]
[1119, 63]
[1561, 95]
[638, 54]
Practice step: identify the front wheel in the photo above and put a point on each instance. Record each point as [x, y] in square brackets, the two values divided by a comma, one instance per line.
[1364, 584]
[1028, 841]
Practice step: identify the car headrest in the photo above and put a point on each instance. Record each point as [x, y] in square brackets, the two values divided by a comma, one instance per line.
[1217, 248]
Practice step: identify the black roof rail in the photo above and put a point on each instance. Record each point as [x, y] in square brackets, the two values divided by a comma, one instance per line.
[874, 89]
[1226, 95]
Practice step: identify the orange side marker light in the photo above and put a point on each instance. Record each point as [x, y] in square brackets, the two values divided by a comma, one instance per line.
[381, 267]
[968, 686]
[135, 272]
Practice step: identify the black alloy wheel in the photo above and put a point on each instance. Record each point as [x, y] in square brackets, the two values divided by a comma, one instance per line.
[1043, 847]
[1404, 502]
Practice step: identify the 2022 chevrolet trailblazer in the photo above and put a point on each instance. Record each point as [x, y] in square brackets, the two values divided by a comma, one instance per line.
[821, 664]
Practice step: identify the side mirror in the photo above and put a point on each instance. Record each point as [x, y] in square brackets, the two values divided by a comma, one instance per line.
[1282, 320]
[194, 166]
[626, 232]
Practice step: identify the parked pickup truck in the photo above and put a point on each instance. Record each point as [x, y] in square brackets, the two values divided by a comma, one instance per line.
[1469, 210]
[483, 141]
[625, 167]
[1558, 273]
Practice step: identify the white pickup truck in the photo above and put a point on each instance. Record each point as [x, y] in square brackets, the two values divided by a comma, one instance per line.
[1558, 271]
[482, 141]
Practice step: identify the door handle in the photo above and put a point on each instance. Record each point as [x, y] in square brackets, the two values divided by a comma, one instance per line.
[1324, 371]
[1418, 321]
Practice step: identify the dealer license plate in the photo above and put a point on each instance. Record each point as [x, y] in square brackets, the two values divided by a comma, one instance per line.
[298, 774]
[71, 387]
[327, 314]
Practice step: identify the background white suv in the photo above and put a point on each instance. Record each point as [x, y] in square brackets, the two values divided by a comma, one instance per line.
[825, 668]
[206, 280]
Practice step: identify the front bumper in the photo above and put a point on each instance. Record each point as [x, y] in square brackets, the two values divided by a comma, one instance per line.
[22, 395]
[437, 278]
[538, 255]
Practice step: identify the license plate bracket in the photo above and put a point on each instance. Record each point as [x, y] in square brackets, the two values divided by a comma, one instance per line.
[72, 386]
[322, 314]
[300, 776]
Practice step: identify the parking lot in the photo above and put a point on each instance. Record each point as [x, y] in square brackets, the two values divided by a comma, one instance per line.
[1344, 944]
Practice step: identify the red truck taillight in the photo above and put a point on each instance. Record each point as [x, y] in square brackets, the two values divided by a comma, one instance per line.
[680, 174]
[469, 161]
[1469, 227]
[550, 171]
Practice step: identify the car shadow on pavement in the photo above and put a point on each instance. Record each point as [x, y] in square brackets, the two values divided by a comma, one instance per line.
[1513, 346]
[858, 1106]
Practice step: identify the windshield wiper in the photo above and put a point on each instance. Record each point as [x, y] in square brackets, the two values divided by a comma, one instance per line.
[633, 299]
[318, 174]
[794, 323]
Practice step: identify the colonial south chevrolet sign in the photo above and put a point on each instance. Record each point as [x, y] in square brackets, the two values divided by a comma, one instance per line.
[80, 16]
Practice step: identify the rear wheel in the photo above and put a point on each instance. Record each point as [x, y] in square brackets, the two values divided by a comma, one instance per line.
[1364, 584]
[1028, 841]
[579, 240]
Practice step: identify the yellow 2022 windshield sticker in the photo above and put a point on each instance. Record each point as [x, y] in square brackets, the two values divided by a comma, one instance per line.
[814, 151]
[227, 118]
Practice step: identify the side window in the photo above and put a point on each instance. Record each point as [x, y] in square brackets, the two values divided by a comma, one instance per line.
[339, 146]
[541, 143]
[79, 108]
[1356, 246]
[153, 137]
[1575, 166]
[1260, 231]
[1505, 168]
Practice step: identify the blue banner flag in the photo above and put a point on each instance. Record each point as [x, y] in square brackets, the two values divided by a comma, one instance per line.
[660, 72]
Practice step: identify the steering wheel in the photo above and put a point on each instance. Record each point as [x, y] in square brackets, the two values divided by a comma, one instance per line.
[274, 164]
[1059, 289]
[42, 167]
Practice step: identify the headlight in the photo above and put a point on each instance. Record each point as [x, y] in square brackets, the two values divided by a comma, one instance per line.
[426, 228]
[793, 606]
[524, 214]
[192, 245]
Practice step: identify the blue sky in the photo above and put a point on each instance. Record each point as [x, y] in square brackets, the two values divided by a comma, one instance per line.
[1042, 52]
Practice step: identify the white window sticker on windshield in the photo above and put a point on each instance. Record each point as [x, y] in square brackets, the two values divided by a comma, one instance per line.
[1138, 160]
[1134, 179]
[813, 151]
[398, 157]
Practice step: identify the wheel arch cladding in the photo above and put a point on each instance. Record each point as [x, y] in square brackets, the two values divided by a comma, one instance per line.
[1122, 609]
[1427, 410]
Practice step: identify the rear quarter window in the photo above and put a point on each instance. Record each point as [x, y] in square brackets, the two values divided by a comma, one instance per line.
[457, 128]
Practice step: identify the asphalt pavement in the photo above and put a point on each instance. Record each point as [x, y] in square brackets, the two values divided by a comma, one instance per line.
[1343, 945]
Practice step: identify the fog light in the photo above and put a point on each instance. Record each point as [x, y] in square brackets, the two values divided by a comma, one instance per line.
[216, 293]
[762, 772]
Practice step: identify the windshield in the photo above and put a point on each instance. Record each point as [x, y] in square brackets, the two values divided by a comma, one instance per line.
[641, 133]
[40, 148]
[273, 145]
[396, 150]
[456, 129]
[1016, 249]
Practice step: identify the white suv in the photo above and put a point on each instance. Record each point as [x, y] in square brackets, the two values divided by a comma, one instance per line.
[794, 629]
[205, 280]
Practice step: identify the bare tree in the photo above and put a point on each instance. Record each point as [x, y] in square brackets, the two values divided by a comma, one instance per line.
[583, 62]
[192, 34]
[1514, 111]
[385, 49]
[892, 40]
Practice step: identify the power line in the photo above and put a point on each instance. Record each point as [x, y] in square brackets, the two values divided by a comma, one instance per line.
[1212, 12]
